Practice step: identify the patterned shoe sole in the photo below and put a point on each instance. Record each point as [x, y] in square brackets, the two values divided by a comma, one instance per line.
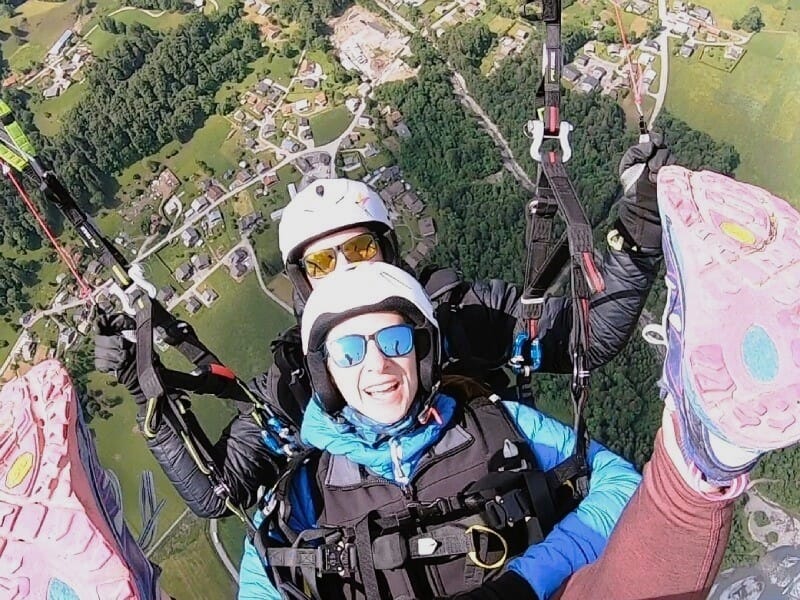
[55, 543]
[735, 249]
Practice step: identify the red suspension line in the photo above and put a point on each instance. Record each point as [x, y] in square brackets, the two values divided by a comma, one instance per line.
[86, 290]
[632, 73]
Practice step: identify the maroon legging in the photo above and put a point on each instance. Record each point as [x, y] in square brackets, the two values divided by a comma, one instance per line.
[668, 544]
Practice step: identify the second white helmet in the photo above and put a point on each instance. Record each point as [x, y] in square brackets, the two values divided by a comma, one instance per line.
[323, 208]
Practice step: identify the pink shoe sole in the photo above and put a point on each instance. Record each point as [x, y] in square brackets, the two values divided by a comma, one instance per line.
[733, 251]
[56, 542]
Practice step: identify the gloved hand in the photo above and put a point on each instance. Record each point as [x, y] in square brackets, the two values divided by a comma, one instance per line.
[508, 585]
[639, 220]
[115, 354]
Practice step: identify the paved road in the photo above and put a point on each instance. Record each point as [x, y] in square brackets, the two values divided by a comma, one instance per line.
[398, 19]
[213, 529]
[663, 42]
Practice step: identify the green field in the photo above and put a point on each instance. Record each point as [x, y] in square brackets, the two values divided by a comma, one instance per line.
[164, 21]
[209, 144]
[776, 13]
[101, 41]
[241, 324]
[330, 124]
[754, 108]
[56, 108]
[191, 567]
[44, 23]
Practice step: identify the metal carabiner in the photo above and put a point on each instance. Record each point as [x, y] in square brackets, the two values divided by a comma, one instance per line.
[535, 130]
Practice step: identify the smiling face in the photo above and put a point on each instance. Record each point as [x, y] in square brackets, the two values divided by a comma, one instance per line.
[379, 387]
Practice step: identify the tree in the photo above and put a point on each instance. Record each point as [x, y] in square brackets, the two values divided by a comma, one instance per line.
[751, 21]
[654, 28]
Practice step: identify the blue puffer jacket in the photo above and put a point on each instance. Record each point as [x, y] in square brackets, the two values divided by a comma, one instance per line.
[576, 541]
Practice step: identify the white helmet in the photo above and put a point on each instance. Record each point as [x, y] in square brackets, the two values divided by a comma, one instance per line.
[325, 207]
[368, 288]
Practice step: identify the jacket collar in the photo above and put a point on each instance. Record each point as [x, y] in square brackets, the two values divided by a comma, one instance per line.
[393, 455]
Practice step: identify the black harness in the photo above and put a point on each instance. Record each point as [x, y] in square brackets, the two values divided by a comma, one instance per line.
[547, 254]
[515, 504]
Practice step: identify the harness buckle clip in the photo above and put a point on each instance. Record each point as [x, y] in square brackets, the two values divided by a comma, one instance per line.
[536, 130]
[337, 558]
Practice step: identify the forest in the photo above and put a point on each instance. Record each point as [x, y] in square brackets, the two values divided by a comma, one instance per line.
[151, 89]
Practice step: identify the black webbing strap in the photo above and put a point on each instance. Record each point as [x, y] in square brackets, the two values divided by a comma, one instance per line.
[546, 259]
[366, 566]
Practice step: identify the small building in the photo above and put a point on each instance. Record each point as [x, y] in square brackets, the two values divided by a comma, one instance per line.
[237, 270]
[638, 7]
[364, 121]
[200, 261]
[393, 191]
[290, 145]
[412, 202]
[193, 304]
[651, 46]
[302, 105]
[209, 295]
[214, 192]
[702, 13]
[570, 73]
[190, 236]
[734, 52]
[183, 272]
[598, 73]
[350, 161]
[239, 255]
[199, 203]
[276, 215]
[270, 179]
[166, 184]
[321, 100]
[614, 49]
[352, 104]
[165, 294]
[686, 51]
[213, 219]
[61, 44]
[588, 84]
[371, 150]
[402, 130]
[263, 87]
[310, 84]
[413, 259]
[249, 221]
[427, 227]
[649, 76]
[645, 59]
[582, 60]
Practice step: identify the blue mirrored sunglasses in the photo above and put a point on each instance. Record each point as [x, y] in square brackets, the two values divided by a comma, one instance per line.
[350, 350]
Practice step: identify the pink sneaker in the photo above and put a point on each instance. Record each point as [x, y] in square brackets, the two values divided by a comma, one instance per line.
[62, 536]
[732, 319]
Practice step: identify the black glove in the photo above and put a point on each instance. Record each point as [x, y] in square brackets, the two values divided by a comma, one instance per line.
[508, 586]
[639, 221]
[115, 354]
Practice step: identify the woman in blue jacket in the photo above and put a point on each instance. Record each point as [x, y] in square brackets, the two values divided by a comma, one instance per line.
[416, 495]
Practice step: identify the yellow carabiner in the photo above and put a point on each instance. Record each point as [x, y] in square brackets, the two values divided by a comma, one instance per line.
[474, 557]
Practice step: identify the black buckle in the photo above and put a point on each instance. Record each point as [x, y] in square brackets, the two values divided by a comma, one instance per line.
[507, 510]
[337, 558]
[426, 510]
